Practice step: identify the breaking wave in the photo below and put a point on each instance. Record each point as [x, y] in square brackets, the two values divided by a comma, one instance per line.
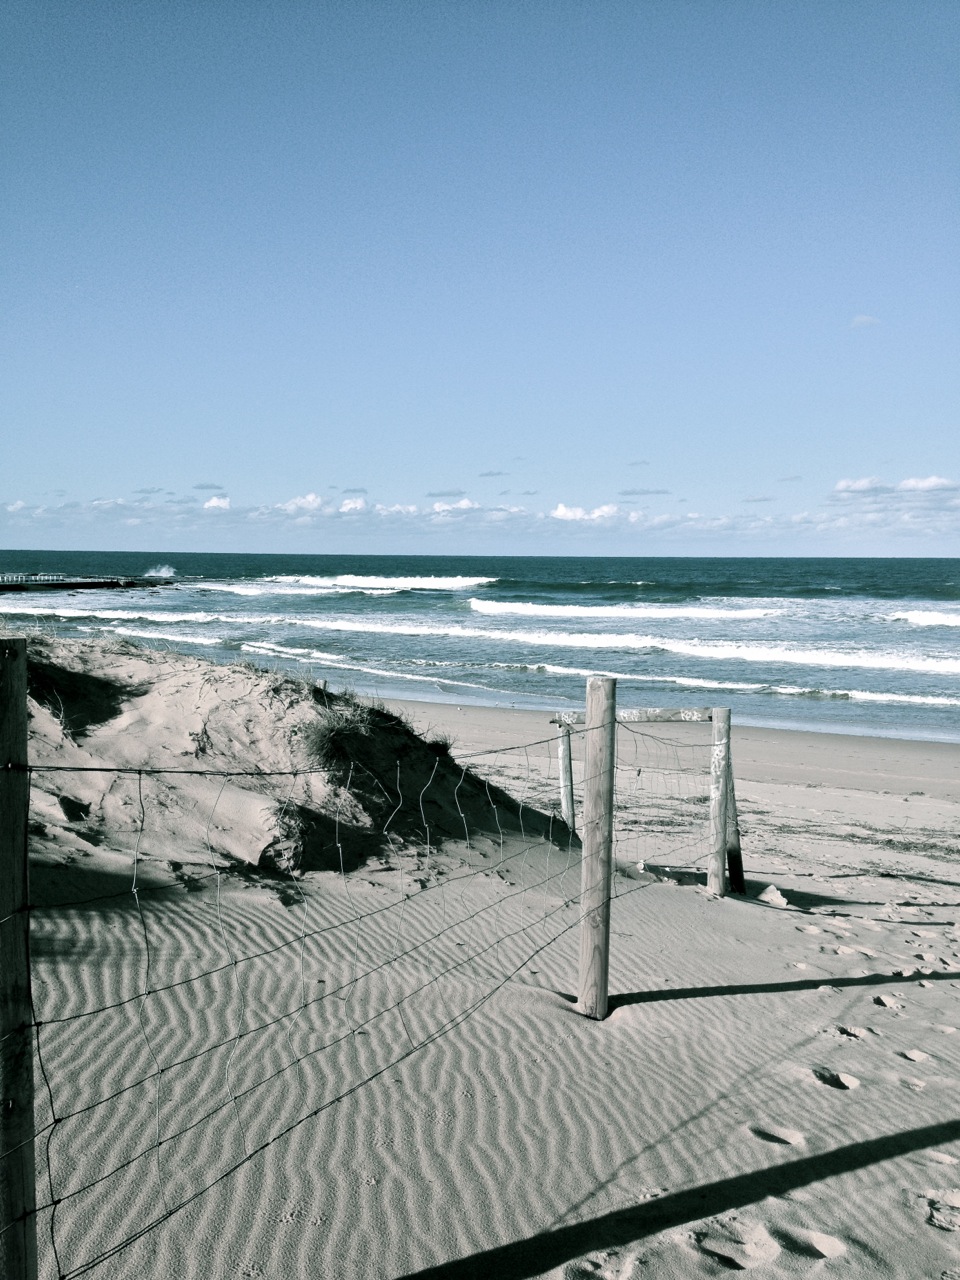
[363, 580]
[927, 618]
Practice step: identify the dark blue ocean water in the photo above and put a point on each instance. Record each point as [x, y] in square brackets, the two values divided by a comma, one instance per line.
[843, 645]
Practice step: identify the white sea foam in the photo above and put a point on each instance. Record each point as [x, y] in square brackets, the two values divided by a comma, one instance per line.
[396, 584]
[692, 682]
[696, 649]
[908, 699]
[267, 587]
[524, 610]
[197, 616]
[721, 650]
[742, 686]
[338, 661]
[161, 571]
[927, 618]
[172, 636]
[265, 649]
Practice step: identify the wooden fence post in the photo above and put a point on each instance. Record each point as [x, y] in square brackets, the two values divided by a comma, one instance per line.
[566, 778]
[734, 854]
[599, 768]
[719, 791]
[18, 1243]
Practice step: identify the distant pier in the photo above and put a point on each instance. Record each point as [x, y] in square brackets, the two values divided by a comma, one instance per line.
[62, 582]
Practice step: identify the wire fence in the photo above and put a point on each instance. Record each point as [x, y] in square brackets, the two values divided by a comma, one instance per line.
[190, 1011]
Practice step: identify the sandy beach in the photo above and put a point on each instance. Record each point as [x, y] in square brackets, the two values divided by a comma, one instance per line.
[334, 1034]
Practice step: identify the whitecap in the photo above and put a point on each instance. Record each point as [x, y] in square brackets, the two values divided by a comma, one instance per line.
[275, 588]
[927, 618]
[426, 583]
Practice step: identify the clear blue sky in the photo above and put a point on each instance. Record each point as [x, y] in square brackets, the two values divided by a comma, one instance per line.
[659, 277]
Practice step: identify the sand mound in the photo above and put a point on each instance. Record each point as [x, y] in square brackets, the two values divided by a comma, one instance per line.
[261, 770]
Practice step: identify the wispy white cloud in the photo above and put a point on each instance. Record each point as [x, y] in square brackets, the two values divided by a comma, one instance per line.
[352, 504]
[868, 484]
[863, 322]
[217, 504]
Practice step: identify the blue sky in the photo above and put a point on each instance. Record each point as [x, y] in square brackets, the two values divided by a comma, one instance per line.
[626, 278]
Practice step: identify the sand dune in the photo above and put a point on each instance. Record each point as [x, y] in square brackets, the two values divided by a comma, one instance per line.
[333, 1034]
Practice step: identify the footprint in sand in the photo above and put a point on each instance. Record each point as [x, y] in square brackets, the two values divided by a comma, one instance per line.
[815, 1244]
[777, 1133]
[740, 1241]
[854, 1033]
[944, 1208]
[915, 1055]
[836, 1079]
[887, 1002]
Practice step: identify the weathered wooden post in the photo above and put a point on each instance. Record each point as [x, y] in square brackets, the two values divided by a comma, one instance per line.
[565, 756]
[719, 792]
[18, 1227]
[600, 756]
[734, 853]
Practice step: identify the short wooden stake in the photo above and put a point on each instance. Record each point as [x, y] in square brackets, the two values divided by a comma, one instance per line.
[600, 754]
[734, 854]
[18, 1226]
[566, 778]
[719, 790]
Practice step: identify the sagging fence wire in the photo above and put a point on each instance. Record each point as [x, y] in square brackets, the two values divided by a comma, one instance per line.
[462, 947]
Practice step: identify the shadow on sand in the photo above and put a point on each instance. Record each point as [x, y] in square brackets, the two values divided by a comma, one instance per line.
[524, 1259]
[771, 988]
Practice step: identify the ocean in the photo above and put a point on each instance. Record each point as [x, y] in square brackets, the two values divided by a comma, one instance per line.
[862, 646]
